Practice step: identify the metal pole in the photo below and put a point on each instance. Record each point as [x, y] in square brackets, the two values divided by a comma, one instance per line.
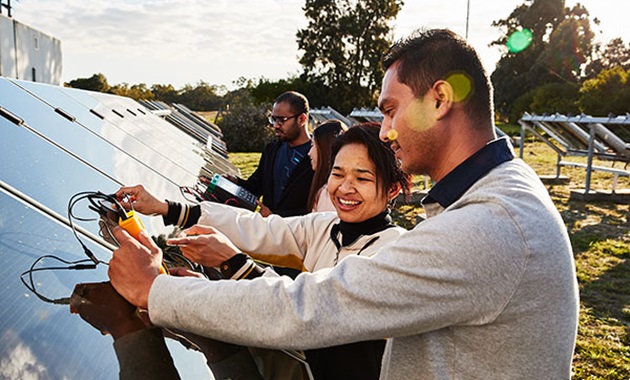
[520, 151]
[467, 17]
[589, 160]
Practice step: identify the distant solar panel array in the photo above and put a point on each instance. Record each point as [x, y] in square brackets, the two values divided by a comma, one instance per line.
[200, 129]
[319, 115]
[604, 138]
[57, 142]
[190, 122]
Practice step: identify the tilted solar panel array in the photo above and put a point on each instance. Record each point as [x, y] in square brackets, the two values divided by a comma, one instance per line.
[200, 129]
[57, 142]
[604, 138]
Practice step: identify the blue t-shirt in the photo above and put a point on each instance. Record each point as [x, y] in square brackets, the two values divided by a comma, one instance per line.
[286, 160]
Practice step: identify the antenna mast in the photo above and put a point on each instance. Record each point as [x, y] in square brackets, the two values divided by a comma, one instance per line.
[467, 16]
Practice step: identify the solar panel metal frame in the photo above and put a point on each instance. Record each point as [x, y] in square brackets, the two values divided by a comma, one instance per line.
[593, 137]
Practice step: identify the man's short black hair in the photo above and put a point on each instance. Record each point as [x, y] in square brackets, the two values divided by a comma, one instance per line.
[298, 102]
[429, 55]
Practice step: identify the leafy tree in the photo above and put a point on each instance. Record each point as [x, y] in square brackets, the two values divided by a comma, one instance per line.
[136, 91]
[342, 47]
[560, 47]
[203, 97]
[317, 93]
[555, 97]
[96, 82]
[244, 123]
[569, 46]
[539, 16]
[165, 93]
[607, 93]
[520, 105]
[615, 53]
[548, 98]
[266, 91]
[512, 79]
[517, 73]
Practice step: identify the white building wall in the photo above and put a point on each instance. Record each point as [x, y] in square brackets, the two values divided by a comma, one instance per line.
[28, 54]
[7, 48]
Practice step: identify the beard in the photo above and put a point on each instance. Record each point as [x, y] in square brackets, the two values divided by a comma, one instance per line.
[421, 153]
[288, 134]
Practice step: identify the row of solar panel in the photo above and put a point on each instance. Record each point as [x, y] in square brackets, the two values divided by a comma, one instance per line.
[604, 138]
[57, 142]
[191, 123]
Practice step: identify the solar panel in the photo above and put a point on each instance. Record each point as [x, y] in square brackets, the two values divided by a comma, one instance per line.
[604, 138]
[57, 142]
[204, 132]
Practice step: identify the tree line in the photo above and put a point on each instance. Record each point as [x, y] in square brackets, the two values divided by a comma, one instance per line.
[562, 69]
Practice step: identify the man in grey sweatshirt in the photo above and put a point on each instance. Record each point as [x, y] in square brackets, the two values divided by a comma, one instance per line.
[484, 288]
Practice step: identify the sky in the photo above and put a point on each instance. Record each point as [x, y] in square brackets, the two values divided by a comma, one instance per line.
[183, 42]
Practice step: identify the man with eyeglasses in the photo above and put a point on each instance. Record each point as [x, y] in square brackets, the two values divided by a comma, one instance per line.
[284, 173]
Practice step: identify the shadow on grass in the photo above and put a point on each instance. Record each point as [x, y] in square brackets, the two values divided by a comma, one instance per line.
[609, 294]
[589, 223]
[600, 236]
[603, 346]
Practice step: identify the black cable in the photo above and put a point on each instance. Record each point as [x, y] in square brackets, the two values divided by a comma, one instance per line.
[177, 259]
[71, 265]
[91, 262]
[93, 198]
[96, 200]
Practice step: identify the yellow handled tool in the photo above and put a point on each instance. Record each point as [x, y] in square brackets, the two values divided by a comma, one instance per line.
[133, 225]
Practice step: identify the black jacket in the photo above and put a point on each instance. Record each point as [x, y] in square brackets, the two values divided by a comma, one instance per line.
[293, 200]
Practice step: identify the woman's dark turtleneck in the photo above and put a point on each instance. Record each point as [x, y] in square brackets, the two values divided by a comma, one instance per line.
[351, 231]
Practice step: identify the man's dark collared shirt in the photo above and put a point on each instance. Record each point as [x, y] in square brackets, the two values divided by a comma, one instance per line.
[460, 179]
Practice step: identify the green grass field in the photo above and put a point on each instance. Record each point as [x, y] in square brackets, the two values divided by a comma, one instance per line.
[600, 235]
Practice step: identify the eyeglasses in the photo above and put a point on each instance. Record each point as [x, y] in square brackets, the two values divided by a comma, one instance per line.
[280, 119]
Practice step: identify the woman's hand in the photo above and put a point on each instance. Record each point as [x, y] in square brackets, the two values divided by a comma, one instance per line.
[264, 210]
[205, 245]
[142, 200]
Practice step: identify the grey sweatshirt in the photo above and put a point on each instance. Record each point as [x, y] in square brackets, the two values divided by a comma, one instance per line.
[484, 289]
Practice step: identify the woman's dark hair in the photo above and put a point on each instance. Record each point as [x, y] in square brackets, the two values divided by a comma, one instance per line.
[323, 136]
[388, 171]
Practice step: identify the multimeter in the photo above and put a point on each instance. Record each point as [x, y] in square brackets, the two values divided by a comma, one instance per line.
[226, 191]
[133, 225]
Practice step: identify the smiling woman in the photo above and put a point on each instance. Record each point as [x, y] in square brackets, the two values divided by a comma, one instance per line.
[359, 185]
[365, 178]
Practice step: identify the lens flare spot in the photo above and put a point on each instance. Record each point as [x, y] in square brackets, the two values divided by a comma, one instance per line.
[417, 115]
[392, 135]
[461, 84]
[519, 40]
